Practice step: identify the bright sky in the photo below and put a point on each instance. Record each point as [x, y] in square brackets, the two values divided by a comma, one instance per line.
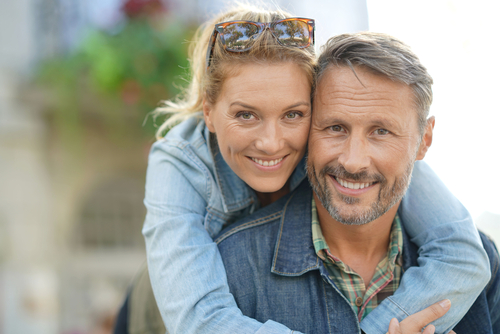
[458, 43]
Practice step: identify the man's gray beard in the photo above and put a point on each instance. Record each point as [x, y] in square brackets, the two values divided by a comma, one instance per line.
[387, 197]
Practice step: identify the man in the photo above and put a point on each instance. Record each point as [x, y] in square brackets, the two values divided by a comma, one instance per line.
[365, 138]
[367, 132]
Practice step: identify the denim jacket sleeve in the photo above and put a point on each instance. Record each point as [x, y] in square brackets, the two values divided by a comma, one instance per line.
[452, 262]
[187, 274]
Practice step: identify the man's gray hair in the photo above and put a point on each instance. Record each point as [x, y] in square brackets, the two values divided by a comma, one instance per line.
[382, 54]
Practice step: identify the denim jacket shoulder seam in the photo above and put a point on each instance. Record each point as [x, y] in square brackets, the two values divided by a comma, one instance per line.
[248, 225]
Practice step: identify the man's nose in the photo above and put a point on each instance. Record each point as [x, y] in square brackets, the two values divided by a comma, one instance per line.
[355, 155]
[270, 139]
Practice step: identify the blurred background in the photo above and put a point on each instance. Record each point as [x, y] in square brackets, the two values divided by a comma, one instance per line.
[77, 81]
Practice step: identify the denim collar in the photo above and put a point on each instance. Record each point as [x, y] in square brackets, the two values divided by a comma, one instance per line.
[294, 253]
[236, 194]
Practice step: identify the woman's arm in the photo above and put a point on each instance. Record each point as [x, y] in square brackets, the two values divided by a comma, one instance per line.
[187, 274]
[452, 262]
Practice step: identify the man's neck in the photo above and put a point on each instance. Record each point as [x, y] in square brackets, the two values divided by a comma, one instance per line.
[361, 247]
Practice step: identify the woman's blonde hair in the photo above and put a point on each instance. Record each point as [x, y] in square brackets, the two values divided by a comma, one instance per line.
[208, 84]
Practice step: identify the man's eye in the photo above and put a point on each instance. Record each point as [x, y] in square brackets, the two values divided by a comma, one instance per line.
[336, 128]
[381, 132]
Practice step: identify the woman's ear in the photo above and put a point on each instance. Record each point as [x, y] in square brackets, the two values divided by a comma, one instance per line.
[208, 114]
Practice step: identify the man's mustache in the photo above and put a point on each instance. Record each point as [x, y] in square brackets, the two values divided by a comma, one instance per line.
[340, 172]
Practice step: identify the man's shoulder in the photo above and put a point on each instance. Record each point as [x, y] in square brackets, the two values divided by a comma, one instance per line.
[484, 314]
[493, 255]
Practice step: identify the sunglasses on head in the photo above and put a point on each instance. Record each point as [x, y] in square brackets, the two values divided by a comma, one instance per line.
[240, 36]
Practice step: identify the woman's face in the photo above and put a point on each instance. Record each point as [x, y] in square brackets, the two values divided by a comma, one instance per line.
[262, 119]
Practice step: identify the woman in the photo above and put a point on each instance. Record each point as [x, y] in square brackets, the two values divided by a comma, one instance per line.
[245, 150]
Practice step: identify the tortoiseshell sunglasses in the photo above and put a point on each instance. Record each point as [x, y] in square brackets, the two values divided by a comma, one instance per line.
[239, 36]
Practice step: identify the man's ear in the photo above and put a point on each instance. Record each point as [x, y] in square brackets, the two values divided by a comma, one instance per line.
[207, 113]
[426, 139]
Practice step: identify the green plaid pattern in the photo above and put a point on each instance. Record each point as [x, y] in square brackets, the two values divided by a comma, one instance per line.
[384, 282]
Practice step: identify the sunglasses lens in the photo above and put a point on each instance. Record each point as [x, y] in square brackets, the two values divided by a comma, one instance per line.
[292, 33]
[240, 36]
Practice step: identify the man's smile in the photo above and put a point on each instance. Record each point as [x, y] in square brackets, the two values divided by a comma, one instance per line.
[351, 188]
[353, 185]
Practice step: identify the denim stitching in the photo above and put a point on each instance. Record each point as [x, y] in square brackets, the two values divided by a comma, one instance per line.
[244, 226]
[398, 306]
[281, 232]
[326, 303]
[189, 153]
[279, 242]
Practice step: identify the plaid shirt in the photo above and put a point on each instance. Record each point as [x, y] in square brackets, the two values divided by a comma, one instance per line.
[384, 282]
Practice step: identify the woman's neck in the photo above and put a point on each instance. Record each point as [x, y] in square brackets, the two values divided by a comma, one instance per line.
[268, 198]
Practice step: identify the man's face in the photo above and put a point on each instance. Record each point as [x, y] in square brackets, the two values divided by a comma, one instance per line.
[363, 143]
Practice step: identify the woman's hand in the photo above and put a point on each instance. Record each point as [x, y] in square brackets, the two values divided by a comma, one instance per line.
[416, 322]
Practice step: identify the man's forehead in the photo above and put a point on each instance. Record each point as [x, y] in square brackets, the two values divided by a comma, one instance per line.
[359, 90]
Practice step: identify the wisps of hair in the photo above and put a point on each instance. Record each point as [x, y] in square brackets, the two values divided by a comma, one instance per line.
[207, 84]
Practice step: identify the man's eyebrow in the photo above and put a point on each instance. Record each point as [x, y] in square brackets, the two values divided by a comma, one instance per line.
[376, 122]
[330, 120]
[384, 123]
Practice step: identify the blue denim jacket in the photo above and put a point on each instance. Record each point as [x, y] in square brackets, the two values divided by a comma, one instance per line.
[274, 273]
[191, 194]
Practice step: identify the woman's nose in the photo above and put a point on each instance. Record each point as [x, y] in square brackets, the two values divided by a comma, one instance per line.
[270, 139]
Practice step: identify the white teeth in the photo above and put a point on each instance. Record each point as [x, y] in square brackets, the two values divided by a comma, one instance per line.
[269, 163]
[352, 185]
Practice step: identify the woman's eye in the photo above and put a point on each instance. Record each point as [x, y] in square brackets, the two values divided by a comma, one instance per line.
[245, 115]
[381, 132]
[292, 115]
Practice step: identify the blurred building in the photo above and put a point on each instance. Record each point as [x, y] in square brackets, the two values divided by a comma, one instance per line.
[70, 239]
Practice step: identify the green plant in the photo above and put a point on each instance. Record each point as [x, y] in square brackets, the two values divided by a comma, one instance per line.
[112, 81]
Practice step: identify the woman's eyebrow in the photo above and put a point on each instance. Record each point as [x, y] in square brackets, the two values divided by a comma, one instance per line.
[298, 104]
[247, 106]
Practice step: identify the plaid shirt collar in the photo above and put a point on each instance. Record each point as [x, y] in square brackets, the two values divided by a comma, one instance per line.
[384, 282]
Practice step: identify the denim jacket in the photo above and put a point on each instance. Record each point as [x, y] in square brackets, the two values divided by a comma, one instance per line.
[274, 273]
[191, 194]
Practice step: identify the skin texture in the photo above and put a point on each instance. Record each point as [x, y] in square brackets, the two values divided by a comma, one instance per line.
[263, 112]
[363, 133]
